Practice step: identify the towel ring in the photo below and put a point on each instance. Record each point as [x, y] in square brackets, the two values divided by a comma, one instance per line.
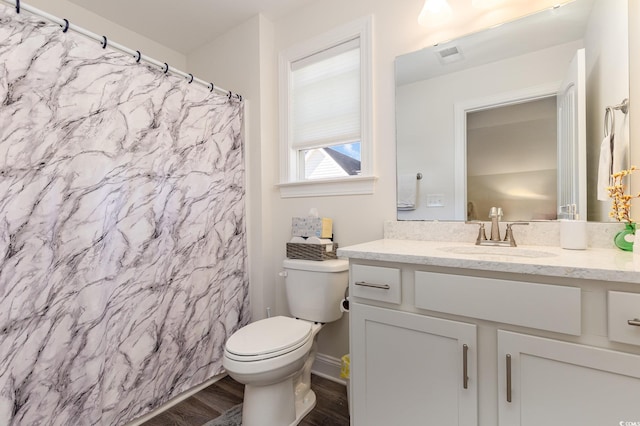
[609, 122]
[624, 106]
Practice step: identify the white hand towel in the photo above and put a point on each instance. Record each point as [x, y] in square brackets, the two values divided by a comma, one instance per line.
[604, 169]
[407, 191]
[620, 158]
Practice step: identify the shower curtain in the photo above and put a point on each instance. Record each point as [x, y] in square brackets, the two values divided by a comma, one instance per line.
[122, 230]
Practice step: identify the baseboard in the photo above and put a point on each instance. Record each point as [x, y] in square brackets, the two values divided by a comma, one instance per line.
[175, 400]
[328, 367]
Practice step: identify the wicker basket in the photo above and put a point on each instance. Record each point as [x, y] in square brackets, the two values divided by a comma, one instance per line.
[312, 251]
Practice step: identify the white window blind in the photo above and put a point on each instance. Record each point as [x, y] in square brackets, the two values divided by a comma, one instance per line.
[325, 97]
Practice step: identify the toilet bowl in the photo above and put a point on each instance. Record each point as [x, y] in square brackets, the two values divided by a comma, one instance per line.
[273, 357]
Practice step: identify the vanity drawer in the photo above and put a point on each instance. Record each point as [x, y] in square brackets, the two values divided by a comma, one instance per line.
[542, 306]
[624, 317]
[376, 283]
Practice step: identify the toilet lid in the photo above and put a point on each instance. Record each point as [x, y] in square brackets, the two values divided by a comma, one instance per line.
[268, 337]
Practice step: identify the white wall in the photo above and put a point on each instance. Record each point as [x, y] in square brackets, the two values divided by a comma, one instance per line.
[360, 218]
[245, 60]
[607, 66]
[356, 218]
[99, 25]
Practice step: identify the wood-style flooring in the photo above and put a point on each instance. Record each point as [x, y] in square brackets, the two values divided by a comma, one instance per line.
[331, 407]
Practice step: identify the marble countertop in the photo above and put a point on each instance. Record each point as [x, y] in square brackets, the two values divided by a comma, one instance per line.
[594, 263]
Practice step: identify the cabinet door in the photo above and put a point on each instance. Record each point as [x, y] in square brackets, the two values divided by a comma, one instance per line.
[409, 369]
[560, 383]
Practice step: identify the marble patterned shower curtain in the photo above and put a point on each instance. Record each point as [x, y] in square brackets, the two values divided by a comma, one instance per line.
[122, 230]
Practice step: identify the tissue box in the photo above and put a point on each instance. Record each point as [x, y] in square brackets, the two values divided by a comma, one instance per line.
[320, 227]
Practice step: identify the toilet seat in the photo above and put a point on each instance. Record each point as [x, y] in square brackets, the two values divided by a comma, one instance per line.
[268, 338]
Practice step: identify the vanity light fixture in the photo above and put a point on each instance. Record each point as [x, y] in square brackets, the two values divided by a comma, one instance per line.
[435, 12]
[486, 4]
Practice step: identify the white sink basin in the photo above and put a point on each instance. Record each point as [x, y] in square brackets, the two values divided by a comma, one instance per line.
[498, 251]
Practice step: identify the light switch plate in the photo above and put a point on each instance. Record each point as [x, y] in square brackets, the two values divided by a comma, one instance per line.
[435, 200]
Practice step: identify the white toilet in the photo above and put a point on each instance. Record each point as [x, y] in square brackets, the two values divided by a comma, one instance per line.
[273, 357]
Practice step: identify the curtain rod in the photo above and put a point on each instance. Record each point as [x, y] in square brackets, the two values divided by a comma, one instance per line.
[66, 25]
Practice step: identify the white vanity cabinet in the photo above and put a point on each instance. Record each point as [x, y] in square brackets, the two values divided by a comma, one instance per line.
[430, 347]
[411, 369]
[551, 382]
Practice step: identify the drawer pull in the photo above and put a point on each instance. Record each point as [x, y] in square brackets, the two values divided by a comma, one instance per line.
[373, 285]
[465, 376]
[508, 378]
[634, 321]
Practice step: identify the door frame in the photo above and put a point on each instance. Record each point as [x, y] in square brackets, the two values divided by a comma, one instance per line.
[462, 108]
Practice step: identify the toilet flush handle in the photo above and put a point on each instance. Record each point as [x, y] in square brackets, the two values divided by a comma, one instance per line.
[282, 273]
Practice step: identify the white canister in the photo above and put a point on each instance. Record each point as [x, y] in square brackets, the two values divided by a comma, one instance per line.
[573, 234]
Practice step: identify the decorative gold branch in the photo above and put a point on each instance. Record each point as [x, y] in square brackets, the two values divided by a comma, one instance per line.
[621, 205]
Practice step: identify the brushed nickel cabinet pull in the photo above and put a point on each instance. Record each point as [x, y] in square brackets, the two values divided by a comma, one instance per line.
[634, 321]
[465, 376]
[372, 285]
[508, 378]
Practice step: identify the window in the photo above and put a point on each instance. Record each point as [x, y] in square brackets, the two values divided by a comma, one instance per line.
[325, 110]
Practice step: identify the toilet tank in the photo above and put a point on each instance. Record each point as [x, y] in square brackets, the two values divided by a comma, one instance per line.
[315, 288]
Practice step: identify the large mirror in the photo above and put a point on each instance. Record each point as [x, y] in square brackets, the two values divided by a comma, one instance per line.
[481, 120]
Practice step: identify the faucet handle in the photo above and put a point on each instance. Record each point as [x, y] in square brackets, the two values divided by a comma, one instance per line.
[482, 235]
[508, 235]
[517, 223]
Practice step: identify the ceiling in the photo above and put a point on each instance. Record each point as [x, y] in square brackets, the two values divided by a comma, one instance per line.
[185, 25]
[534, 32]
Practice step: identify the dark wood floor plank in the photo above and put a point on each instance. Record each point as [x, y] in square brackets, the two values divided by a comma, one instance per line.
[222, 395]
[189, 412]
[331, 405]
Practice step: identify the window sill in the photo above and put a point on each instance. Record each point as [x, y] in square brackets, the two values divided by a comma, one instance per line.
[356, 185]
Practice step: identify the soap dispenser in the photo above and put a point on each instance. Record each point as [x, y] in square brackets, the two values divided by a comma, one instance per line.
[573, 232]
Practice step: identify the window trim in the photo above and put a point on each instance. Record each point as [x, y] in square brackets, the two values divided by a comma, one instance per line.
[290, 185]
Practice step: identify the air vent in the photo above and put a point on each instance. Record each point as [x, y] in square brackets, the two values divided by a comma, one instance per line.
[448, 51]
[449, 54]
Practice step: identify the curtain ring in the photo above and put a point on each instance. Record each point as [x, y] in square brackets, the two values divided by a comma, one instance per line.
[211, 87]
[17, 6]
[191, 80]
[239, 97]
[166, 67]
[66, 25]
[104, 42]
[139, 56]
[230, 95]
